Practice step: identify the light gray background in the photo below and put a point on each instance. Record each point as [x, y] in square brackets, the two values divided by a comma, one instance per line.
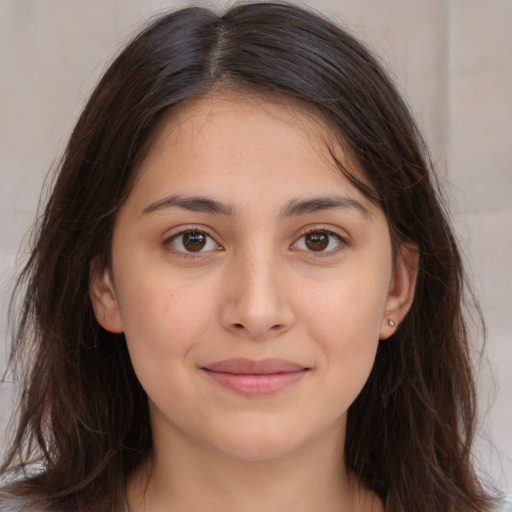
[451, 58]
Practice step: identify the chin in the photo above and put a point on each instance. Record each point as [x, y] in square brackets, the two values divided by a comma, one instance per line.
[260, 442]
[260, 450]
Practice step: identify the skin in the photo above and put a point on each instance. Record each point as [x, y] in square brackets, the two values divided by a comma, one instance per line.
[257, 291]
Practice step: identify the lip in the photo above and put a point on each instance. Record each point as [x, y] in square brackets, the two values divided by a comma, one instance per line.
[255, 377]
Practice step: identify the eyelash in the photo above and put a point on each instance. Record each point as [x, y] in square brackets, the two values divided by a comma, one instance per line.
[341, 241]
[168, 243]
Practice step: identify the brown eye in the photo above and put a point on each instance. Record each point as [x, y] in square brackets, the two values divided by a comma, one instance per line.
[317, 241]
[193, 242]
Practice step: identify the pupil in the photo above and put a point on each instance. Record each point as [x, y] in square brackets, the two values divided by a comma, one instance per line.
[317, 241]
[194, 242]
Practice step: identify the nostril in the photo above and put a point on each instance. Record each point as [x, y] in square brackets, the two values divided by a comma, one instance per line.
[239, 326]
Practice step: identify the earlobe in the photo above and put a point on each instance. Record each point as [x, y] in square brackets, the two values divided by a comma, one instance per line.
[103, 298]
[401, 290]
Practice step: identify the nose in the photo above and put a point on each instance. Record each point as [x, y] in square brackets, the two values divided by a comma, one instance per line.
[257, 304]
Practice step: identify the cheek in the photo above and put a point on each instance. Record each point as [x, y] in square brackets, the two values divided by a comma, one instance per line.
[347, 311]
[345, 320]
[163, 320]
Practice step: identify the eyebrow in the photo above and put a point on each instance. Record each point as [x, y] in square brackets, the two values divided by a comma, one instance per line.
[318, 204]
[295, 207]
[193, 204]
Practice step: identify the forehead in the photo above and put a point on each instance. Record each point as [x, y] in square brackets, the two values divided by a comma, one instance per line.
[218, 141]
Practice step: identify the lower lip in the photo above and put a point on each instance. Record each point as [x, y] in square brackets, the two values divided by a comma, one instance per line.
[257, 385]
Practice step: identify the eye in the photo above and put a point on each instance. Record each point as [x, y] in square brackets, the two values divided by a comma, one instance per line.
[319, 241]
[192, 241]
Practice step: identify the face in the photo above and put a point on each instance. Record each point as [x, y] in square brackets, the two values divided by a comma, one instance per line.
[251, 279]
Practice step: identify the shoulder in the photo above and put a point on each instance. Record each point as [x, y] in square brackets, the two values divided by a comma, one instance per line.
[503, 505]
[11, 503]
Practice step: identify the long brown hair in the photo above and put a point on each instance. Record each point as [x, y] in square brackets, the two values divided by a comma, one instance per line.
[82, 424]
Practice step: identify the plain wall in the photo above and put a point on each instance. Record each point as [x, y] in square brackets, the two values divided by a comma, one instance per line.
[451, 58]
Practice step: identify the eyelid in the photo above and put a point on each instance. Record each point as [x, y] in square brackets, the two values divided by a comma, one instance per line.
[181, 230]
[178, 231]
[329, 230]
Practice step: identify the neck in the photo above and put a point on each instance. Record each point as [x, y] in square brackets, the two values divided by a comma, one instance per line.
[191, 478]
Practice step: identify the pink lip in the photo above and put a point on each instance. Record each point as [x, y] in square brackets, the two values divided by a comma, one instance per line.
[252, 378]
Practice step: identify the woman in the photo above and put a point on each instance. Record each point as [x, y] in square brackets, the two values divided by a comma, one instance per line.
[244, 293]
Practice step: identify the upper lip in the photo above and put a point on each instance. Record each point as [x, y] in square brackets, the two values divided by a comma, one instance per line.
[241, 366]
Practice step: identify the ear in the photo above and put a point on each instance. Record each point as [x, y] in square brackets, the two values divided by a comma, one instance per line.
[103, 298]
[401, 289]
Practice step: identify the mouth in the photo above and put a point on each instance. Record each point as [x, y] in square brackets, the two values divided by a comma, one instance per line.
[255, 378]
